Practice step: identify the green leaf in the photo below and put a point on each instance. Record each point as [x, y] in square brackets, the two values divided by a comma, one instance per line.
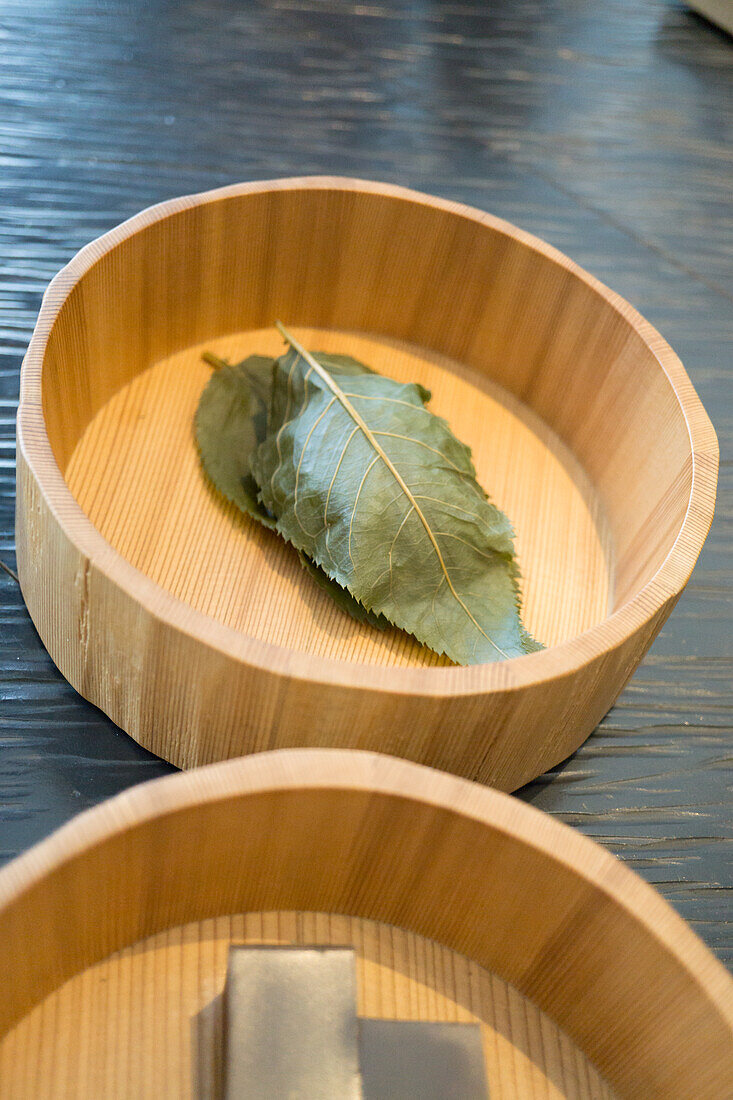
[231, 419]
[340, 596]
[377, 491]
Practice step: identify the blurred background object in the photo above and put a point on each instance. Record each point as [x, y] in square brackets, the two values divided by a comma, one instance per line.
[717, 11]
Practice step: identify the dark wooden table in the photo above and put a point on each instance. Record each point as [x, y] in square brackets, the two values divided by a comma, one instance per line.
[603, 127]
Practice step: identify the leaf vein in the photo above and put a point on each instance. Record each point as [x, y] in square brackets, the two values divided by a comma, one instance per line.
[481, 553]
[448, 504]
[419, 443]
[284, 424]
[356, 501]
[408, 513]
[389, 401]
[330, 487]
[308, 438]
[381, 453]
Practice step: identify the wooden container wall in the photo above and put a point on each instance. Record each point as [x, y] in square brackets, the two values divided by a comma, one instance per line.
[374, 837]
[365, 257]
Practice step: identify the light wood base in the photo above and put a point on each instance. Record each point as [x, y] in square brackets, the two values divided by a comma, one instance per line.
[146, 1023]
[136, 474]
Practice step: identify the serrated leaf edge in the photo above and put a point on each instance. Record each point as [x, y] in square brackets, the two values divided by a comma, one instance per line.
[380, 453]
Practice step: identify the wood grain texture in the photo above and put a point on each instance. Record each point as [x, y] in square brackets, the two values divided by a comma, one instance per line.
[147, 1022]
[602, 128]
[377, 258]
[368, 836]
[136, 473]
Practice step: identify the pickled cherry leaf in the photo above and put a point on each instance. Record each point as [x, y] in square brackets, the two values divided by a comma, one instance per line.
[376, 490]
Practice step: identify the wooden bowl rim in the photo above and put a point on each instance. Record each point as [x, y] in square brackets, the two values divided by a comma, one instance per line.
[556, 661]
[293, 770]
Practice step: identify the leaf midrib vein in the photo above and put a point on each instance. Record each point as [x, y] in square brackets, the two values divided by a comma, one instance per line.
[381, 453]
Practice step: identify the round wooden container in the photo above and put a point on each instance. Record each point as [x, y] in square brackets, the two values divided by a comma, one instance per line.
[196, 630]
[462, 904]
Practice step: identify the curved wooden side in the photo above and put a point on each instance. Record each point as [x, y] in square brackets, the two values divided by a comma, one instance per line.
[369, 836]
[505, 304]
[194, 691]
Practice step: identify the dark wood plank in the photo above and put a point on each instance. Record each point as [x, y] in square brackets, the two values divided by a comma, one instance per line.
[604, 128]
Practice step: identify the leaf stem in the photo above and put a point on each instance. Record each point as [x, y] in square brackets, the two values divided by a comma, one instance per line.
[214, 360]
